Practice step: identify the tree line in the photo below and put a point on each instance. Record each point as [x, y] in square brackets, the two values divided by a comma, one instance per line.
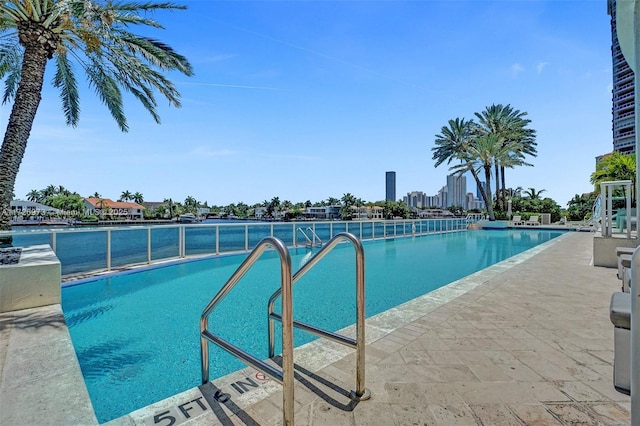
[61, 198]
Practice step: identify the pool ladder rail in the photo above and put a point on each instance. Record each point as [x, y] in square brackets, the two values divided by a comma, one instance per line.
[285, 376]
[310, 242]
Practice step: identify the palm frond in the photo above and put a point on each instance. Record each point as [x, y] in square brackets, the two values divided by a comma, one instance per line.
[107, 89]
[65, 80]
[10, 54]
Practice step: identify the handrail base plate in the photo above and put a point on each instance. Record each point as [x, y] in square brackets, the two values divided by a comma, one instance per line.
[353, 395]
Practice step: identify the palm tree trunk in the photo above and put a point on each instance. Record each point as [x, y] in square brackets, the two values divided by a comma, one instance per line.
[504, 187]
[487, 176]
[19, 125]
[498, 200]
[483, 194]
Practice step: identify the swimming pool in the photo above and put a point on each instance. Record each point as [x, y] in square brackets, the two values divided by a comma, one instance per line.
[137, 335]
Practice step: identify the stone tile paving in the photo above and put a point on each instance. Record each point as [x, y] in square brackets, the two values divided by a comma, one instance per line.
[531, 346]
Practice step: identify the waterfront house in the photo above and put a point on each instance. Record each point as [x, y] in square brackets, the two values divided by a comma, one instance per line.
[102, 207]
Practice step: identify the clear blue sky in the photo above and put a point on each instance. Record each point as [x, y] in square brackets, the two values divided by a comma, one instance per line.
[306, 100]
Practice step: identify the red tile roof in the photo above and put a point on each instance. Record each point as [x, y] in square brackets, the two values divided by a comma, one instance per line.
[106, 202]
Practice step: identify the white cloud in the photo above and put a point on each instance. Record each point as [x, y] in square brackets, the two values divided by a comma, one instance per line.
[516, 69]
[540, 67]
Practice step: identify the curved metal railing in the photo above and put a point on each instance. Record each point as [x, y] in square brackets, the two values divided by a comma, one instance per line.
[315, 236]
[360, 393]
[284, 376]
[310, 241]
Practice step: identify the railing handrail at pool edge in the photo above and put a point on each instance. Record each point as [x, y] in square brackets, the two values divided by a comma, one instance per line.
[360, 392]
[284, 376]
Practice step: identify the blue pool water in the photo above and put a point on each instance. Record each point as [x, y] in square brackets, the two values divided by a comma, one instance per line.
[137, 335]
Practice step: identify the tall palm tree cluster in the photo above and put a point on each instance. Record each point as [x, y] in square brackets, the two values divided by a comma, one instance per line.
[94, 35]
[500, 139]
[41, 196]
[136, 197]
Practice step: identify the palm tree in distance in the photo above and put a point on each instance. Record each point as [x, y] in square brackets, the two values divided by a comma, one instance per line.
[509, 126]
[190, 204]
[532, 194]
[452, 141]
[455, 143]
[96, 35]
[138, 198]
[34, 195]
[125, 196]
[332, 201]
[49, 191]
[170, 206]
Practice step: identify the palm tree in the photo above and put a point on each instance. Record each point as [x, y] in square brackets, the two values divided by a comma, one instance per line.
[138, 198]
[482, 153]
[49, 191]
[332, 201]
[616, 166]
[96, 35]
[532, 194]
[452, 141]
[125, 196]
[455, 143]
[509, 126]
[348, 201]
[170, 206]
[190, 204]
[96, 195]
[34, 195]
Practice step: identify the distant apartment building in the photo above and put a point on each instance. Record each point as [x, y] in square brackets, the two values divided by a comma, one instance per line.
[390, 193]
[367, 212]
[443, 198]
[416, 199]
[432, 201]
[457, 191]
[324, 212]
[623, 98]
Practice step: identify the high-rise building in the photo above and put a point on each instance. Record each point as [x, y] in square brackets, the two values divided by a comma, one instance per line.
[432, 201]
[457, 191]
[416, 199]
[391, 186]
[623, 108]
[443, 196]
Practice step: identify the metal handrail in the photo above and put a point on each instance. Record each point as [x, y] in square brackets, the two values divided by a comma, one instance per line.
[306, 237]
[360, 393]
[315, 236]
[284, 376]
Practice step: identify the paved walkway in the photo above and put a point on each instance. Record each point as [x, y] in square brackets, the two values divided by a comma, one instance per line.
[525, 342]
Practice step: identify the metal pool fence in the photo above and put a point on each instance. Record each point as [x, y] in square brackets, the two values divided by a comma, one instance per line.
[82, 250]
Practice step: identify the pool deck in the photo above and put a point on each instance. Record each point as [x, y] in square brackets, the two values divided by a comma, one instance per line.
[527, 341]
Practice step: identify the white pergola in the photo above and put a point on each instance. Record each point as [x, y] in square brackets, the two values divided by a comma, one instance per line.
[606, 194]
